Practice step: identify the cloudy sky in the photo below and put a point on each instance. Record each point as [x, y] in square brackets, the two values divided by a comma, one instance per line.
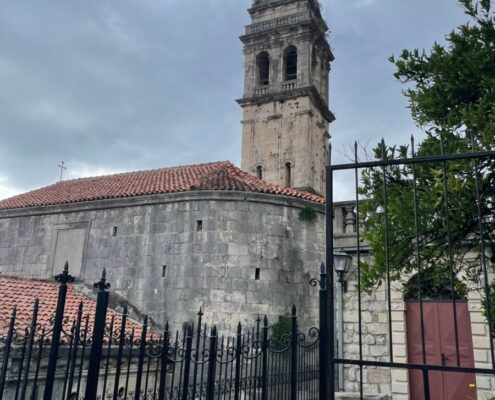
[121, 85]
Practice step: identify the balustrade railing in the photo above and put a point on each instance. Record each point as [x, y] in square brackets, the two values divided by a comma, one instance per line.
[272, 24]
[289, 85]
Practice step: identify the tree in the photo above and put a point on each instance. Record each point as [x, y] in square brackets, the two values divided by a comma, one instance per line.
[451, 92]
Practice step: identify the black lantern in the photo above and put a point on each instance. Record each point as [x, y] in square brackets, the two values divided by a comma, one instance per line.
[342, 264]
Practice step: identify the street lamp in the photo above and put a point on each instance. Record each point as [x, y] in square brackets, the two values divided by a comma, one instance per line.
[342, 265]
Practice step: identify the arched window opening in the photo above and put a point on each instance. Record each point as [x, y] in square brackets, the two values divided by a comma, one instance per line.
[288, 171]
[263, 63]
[259, 172]
[291, 63]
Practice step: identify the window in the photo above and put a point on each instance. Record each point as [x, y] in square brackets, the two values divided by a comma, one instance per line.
[164, 271]
[115, 230]
[263, 64]
[257, 274]
[288, 170]
[199, 225]
[259, 172]
[290, 63]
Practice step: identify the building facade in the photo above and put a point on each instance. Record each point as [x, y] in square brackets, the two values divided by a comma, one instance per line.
[174, 240]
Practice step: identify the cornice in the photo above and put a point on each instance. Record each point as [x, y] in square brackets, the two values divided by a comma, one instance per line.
[290, 94]
[275, 3]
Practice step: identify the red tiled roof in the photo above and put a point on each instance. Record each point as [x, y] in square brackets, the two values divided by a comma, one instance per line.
[221, 175]
[21, 293]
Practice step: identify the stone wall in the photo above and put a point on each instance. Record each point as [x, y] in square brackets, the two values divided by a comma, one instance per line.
[170, 254]
[291, 131]
[374, 340]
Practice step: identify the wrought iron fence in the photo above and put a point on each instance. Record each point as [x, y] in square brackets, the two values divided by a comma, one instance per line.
[472, 167]
[100, 356]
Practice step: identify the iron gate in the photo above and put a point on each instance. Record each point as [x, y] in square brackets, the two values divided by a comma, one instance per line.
[426, 367]
[102, 354]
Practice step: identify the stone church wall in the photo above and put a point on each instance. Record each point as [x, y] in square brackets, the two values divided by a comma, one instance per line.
[170, 254]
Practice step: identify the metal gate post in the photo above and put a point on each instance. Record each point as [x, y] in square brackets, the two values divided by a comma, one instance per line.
[210, 383]
[142, 353]
[293, 360]
[330, 371]
[187, 364]
[264, 361]
[238, 345]
[97, 341]
[323, 334]
[64, 278]
[120, 352]
[164, 363]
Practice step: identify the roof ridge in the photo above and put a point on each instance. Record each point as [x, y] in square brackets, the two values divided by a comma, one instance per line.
[218, 175]
[178, 167]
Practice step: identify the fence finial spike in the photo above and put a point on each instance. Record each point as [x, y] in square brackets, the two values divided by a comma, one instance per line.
[214, 330]
[166, 326]
[200, 313]
[265, 321]
[64, 277]
[322, 268]
[239, 328]
[124, 309]
[102, 284]
[294, 310]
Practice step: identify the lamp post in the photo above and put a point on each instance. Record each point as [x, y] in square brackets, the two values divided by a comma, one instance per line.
[341, 264]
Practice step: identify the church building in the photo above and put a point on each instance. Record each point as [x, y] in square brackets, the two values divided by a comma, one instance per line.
[236, 242]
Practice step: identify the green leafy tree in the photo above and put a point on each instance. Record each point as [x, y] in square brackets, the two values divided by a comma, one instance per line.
[451, 93]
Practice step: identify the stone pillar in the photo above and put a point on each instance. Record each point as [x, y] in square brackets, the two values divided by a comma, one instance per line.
[481, 345]
[400, 377]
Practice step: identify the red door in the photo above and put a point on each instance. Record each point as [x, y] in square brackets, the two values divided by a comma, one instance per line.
[440, 349]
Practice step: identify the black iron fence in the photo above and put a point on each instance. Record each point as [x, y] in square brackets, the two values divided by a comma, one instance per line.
[100, 356]
[463, 191]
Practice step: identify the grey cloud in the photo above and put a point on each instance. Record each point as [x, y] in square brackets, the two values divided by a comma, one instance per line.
[116, 86]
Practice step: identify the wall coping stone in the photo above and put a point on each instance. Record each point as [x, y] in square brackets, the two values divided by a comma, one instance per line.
[166, 198]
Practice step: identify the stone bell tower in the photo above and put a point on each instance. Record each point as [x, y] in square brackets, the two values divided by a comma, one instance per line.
[285, 101]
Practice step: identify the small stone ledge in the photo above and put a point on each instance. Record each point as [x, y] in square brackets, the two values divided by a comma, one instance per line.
[354, 396]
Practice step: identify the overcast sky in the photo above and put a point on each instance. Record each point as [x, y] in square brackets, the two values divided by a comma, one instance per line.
[123, 85]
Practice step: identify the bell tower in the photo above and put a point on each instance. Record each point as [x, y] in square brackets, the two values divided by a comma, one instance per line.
[285, 101]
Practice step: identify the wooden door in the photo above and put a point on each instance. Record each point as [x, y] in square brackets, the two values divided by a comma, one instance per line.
[440, 349]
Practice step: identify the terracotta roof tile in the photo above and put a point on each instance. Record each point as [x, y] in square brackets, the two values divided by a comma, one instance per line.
[221, 175]
[22, 293]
